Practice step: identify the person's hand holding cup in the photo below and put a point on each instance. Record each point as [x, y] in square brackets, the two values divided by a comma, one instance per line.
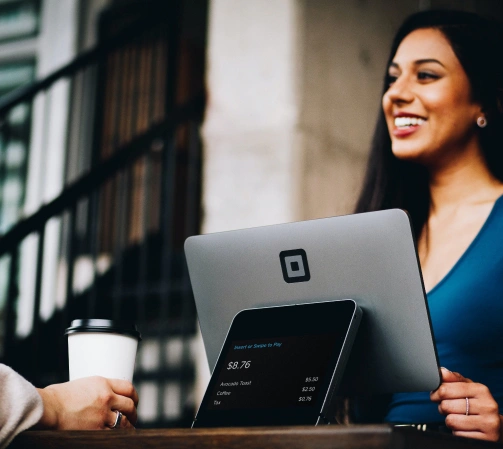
[101, 355]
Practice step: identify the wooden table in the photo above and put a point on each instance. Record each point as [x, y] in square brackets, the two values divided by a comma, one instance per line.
[333, 437]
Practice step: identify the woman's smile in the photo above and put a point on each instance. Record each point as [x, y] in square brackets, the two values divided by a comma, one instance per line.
[406, 124]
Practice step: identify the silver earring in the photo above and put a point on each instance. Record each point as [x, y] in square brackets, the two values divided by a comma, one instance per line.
[482, 122]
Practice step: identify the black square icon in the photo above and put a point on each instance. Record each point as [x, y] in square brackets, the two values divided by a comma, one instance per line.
[294, 266]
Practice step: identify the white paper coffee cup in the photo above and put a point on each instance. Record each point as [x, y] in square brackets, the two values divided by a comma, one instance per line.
[99, 347]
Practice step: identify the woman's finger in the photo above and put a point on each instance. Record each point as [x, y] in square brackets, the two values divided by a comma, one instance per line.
[470, 406]
[125, 424]
[458, 390]
[458, 406]
[487, 424]
[112, 419]
[451, 376]
[124, 388]
[477, 435]
[462, 422]
[126, 406]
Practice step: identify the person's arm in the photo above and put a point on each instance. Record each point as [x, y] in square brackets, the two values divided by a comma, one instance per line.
[20, 405]
[469, 408]
[88, 403]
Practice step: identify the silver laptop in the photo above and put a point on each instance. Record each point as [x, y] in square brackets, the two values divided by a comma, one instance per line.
[368, 257]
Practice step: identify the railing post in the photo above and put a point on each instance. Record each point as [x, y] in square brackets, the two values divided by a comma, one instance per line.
[70, 257]
[35, 335]
[168, 180]
[94, 211]
[191, 227]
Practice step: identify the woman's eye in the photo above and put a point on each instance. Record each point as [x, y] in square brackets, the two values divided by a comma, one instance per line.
[390, 79]
[427, 76]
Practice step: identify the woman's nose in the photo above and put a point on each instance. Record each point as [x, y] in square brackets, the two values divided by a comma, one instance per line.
[400, 91]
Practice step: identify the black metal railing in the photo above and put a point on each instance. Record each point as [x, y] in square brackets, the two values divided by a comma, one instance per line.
[110, 244]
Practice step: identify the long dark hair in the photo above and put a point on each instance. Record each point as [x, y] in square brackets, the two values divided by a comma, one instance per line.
[477, 43]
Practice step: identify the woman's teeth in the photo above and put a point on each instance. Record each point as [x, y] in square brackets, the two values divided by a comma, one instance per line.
[403, 122]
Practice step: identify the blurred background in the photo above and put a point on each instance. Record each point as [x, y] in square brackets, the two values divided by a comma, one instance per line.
[128, 125]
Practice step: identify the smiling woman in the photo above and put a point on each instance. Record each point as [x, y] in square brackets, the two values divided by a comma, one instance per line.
[438, 153]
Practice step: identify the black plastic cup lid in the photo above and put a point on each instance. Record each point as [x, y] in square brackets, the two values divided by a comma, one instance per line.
[99, 325]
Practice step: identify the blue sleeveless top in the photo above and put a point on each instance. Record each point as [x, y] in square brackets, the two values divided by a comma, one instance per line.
[466, 309]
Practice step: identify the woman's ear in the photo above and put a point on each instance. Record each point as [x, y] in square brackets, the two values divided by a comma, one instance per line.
[480, 114]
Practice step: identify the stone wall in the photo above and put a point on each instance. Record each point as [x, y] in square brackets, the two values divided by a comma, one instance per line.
[344, 52]
[249, 131]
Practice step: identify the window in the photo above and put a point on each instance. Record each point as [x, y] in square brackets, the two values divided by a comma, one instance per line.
[14, 143]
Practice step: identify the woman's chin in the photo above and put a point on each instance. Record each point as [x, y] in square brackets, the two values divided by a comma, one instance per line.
[406, 153]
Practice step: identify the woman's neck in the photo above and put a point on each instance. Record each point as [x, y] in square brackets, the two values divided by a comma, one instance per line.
[465, 181]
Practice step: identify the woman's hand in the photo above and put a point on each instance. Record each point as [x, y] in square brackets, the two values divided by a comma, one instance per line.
[88, 403]
[483, 420]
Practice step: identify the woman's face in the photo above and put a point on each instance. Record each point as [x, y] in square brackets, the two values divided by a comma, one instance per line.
[428, 106]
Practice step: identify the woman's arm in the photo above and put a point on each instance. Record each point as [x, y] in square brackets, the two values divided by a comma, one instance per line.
[88, 403]
[20, 405]
[469, 408]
